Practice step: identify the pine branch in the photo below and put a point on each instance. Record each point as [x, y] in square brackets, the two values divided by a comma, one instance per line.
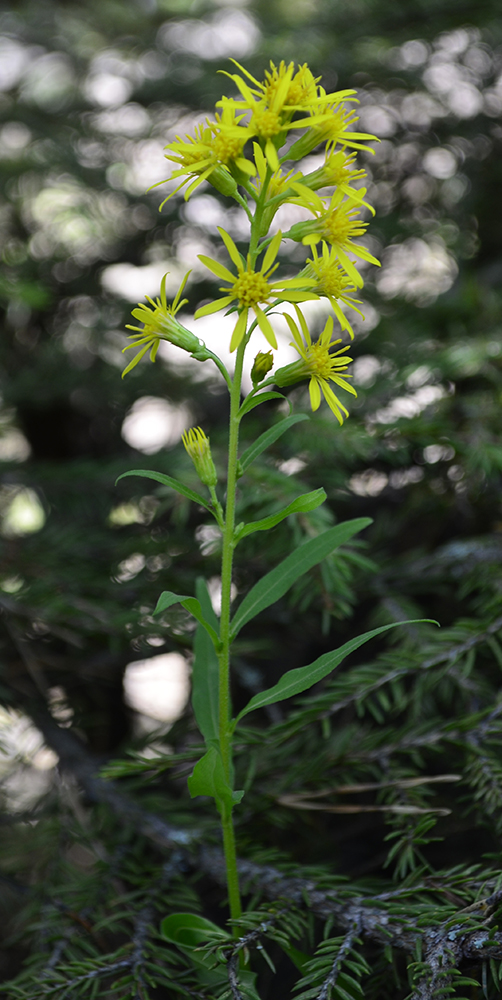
[451, 653]
[376, 923]
[233, 978]
[342, 954]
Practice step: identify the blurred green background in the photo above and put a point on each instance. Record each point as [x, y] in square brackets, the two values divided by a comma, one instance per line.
[89, 96]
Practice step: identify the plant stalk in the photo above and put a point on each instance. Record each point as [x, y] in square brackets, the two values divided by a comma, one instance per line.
[224, 656]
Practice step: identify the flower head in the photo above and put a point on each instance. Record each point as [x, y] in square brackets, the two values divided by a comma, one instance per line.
[332, 123]
[249, 288]
[332, 282]
[337, 171]
[197, 446]
[160, 323]
[273, 103]
[318, 364]
[211, 153]
[337, 223]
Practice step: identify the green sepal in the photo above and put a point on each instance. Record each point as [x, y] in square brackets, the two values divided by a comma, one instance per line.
[265, 440]
[208, 778]
[205, 669]
[302, 505]
[253, 401]
[191, 604]
[169, 481]
[296, 681]
[273, 585]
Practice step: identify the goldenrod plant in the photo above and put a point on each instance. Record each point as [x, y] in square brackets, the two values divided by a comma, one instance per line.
[247, 154]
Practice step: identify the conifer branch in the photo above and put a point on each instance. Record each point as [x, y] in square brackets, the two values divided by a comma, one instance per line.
[375, 923]
[343, 952]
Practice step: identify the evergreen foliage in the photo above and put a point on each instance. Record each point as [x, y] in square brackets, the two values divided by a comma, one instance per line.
[369, 837]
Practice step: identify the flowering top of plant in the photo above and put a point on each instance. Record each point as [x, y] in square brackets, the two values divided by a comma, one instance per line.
[245, 153]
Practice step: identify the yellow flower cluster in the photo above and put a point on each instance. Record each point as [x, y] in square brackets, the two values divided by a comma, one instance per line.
[242, 152]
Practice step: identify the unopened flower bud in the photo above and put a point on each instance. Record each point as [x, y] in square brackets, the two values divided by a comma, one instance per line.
[197, 446]
[262, 364]
[223, 181]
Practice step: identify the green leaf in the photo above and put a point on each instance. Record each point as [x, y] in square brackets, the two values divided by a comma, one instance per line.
[253, 401]
[265, 440]
[205, 669]
[298, 958]
[272, 586]
[296, 681]
[302, 505]
[190, 931]
[169, 481]
[208, 778]
[191, 604]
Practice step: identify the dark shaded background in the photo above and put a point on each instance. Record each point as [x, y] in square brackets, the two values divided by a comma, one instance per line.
[89, 96]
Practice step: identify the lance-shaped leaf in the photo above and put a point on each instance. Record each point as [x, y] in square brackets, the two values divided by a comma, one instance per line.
[272, 586]
[169, 481]
[188, 930]
[205, 669]
[302, 678]
[265, 440]
[191, 604]
[253, 401]
[302, 505]
[208, 778]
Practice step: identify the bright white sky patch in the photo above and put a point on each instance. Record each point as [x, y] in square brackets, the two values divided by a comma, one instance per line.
[417, 270]
[24, 513]
[227, 33]
[153, 423]
[158, 687]
[134, 283]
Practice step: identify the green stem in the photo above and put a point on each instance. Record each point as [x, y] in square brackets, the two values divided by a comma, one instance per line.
[224, 656]
[224, 714]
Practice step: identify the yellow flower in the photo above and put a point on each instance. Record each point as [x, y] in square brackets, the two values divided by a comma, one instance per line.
[336, 223]
[331, 123]
[159, 323]
[211, 153]
[197, 445]
[337, 171]
[277, 187]
[282, 87]
[271, 104]
[334, 128]
[317, 364]
[332, 282]
[251, 287]
[277, 184]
